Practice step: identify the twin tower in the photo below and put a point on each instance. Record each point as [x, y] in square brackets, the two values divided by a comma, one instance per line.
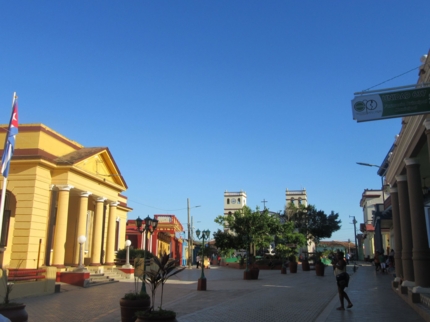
[234, 201]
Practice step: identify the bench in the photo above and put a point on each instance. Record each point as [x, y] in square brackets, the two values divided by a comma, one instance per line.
[25, 274]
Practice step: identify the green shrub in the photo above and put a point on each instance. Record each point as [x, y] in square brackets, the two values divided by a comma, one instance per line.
[122, 253]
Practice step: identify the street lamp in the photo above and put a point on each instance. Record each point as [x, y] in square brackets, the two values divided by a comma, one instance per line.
[150, 226]
[247, 239]
[127, 257]
[354, 222]
[202, 280]
[382, 177]
[81, 268]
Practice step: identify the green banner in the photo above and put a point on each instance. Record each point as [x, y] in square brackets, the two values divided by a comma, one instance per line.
[391, 104]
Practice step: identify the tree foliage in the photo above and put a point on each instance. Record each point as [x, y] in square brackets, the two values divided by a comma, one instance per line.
[258, 227]
[313, 223]
[247, 226]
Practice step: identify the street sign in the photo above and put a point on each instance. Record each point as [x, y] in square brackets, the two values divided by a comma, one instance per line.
[377, 106]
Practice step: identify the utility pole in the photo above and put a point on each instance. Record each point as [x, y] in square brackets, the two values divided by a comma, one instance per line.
[354, 222]
[190, 247]
[190, 234]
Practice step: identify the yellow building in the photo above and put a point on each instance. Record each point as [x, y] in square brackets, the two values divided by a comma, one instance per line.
[58, 190]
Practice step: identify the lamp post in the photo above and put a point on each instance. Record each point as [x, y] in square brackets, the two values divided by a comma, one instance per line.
[81, 268]
[150, 226]
[127, 256]
[247, 273]
[190, 234]
[201, 286]
[354, 222]
[382, 178]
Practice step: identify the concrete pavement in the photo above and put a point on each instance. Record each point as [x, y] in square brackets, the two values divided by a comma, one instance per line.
[273, 297]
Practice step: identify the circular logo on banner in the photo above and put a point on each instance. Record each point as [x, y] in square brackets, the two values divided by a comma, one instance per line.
[369, 105]
[359, 106]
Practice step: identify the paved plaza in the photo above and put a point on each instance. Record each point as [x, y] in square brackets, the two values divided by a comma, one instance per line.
[273, 297]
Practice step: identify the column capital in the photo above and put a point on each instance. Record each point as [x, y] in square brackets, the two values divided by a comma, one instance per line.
[393, 190]
[86, 194]
[101, 199]
[411, 161]
[401, 177]
[114, 203]
[64, 187]
[426, 123]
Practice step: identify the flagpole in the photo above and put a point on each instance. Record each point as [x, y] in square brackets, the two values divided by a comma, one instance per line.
[3, 191]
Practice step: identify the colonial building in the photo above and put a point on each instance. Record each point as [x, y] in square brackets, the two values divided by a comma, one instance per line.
[58, 190]
[371, 202]
[167, 238]
[408, 175]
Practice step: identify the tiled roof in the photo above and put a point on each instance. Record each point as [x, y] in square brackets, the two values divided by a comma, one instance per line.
[79, 155]
[334, 243]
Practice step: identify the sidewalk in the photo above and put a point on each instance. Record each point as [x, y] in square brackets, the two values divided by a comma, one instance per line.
[273, 297]
[373, 299]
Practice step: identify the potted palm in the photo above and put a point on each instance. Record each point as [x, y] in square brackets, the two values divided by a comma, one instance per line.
[136, 300]
[292, 264]
[305, 263]
[282, 251]
[155, 277]
[319, 265]
[15, 312]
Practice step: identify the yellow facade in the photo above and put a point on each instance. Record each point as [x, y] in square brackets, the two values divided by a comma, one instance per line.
[57, 190]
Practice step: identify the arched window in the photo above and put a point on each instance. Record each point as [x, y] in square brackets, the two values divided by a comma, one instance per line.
[228, 201]
[300, 201]
[238, 200]
[292, 201]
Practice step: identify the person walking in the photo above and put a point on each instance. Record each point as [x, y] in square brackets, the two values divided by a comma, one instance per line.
[377, 262]
[342, 279]
[198, 261]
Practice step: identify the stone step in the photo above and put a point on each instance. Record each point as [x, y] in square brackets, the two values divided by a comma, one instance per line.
[101, 279]
[91, 283]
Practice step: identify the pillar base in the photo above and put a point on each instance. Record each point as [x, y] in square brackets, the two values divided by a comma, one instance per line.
[127, 266]
[58, 265]
[419, 289]
[408, 283]
[80, 270]
[201, 285]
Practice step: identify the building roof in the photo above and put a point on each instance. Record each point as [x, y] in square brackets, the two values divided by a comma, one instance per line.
[79, 155]
[335, 243]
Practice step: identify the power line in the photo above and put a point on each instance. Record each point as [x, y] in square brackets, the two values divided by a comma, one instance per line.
[392, 78]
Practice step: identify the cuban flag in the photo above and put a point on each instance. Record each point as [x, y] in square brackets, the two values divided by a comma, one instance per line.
[9, 144]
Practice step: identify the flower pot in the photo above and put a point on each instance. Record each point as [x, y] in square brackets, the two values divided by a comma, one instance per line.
[247, 275]
[319, 269]
[293, 267]
[254, 273]
[306, 266]
[155, 316]
[283, 270]
[15, 312]
[130, 307]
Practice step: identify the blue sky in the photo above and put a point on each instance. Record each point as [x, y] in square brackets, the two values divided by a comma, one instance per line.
[197, 97]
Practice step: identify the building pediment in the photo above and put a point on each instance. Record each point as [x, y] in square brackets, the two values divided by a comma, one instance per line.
[96, 161]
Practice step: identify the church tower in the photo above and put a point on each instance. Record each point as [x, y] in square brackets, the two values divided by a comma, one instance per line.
[297, 197]
[233, 201]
